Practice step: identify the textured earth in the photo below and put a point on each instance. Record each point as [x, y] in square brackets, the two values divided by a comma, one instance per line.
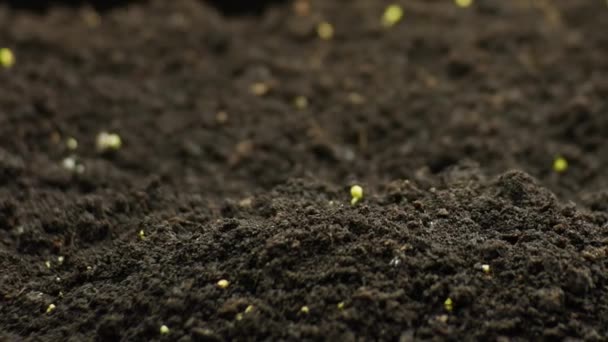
[242, 132]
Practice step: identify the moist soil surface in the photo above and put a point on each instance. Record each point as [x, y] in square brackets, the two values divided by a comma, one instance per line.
[243, 131]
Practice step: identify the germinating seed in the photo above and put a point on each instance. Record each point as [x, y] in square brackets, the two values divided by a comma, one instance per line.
[560, 164]
[392, 15]
[396, 261]
[222, 284]
[356, 193]
[463, 3]
[71, 143]
[325, 30]
[7, 58]
[108, 142]
[448, 304]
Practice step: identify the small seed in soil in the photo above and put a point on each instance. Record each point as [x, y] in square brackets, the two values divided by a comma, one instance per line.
[50, 308]
[300, 102]
[396, 261]
[463, 3]
[448, 304]
[325, 30]
[259, 89]
[305, 310]
[560, 164]
[91, 18]
[164, 330]
[71, 164]
[301, 7]
[442, 318]
[71, 143]
[486, 268]
[142, 234]
[222, 284]
[7, 58]
[221, 117]
[356, 193]
[392, 15]
[356, 98]
[108, 142]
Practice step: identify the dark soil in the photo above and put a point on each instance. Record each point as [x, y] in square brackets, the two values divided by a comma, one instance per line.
[450, 121]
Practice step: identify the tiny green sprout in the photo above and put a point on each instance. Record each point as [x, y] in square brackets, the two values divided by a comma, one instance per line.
[142, 234]
[249, 309]
[50, 308]
[164, 330]
[305, 310]
[356, 193]
[300, 102]
[7, 58]
[340, 306]
[392, 15]
[60, 259]
[560, 164]
[223, 283]
[463, 3]
[325, 30]
[239, 317]
[448, 304]
[486, 268]
[71, 143]
[47, 264]
[108, 142]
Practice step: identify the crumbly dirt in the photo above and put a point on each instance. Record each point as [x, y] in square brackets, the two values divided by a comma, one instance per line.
[450, 121]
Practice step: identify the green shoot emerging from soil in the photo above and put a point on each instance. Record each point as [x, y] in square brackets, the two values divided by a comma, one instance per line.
[560, 164]
[448, 305]
[463, 3]
[108, 142]
[164, 330]
[392, 15]
[325, 30]
[356, 193]
[7, 58]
